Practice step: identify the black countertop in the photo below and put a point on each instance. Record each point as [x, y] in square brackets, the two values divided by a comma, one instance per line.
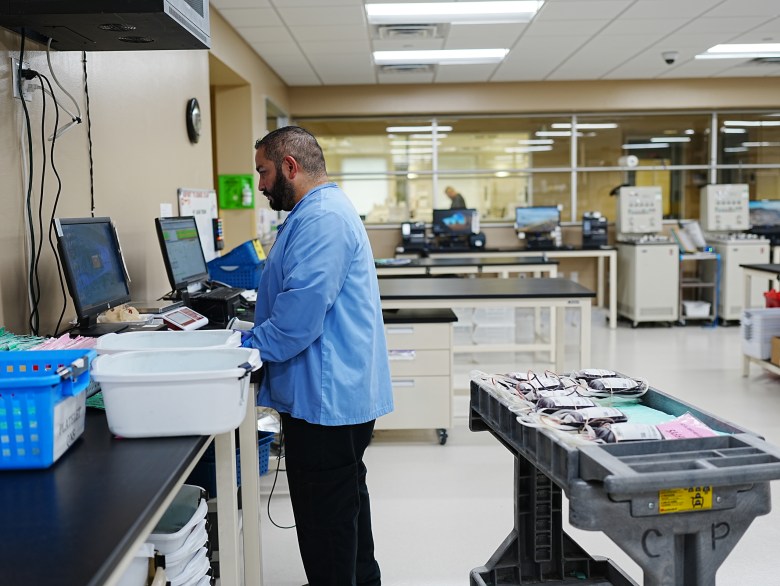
[73, 522]
[475, 261]
[417, 316]
[769, 268]
[456, 288]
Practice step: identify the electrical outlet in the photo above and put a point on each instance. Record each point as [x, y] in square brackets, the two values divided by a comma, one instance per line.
[14, 75]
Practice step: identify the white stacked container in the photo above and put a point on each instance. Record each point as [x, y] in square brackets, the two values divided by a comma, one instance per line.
[757, 328]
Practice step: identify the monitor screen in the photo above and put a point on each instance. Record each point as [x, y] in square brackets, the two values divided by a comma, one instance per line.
[537, 219]
[764, 213]
[181, 250]
[93, 265]
[454, 222]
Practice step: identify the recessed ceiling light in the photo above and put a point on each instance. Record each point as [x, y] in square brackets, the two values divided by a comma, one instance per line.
[418, 129]
[536, 141]
[751, 122]
[726, 130]
[441, 56]
[646, 145]
[658, 139]
[528, 149]
[555, 133]
[501, 173]
[460, 12]
[586, 126]
[741, 51]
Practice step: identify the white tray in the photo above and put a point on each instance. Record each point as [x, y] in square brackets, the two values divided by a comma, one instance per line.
[175, 392]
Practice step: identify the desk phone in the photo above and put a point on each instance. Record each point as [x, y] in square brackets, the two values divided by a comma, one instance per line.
[184, 318]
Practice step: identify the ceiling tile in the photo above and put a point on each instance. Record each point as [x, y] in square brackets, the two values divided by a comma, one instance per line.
[484, 35]
[251, 17]
[659, 26]
[346, 48]
[732, 26]
[328, 32]
[265, 34]
[396, 78]
[746, 8]
[563, 28]
[667, 8]
[319, 15]
[408, 45]
[275, 49]
[464, 73]
[577, 9]
[220, 4]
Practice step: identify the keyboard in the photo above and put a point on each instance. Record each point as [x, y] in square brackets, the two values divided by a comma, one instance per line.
[221, 294]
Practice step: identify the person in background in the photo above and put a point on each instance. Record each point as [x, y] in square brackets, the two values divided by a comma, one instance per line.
[458, 203]
[319, 329]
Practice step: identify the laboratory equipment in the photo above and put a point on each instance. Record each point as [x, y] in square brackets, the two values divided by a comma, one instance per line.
[94, 271]
[648, 262]
[594, 230]
[539, 226]
[724, 217]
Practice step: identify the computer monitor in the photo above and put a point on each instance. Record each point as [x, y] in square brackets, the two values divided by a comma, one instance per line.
[94, 270]
[537, 219]
[182, 253]
[455, 222]
[764, 213]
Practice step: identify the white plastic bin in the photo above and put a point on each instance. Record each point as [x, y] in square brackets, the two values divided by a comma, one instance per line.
[175, 392]
[696, 308]
[193, 574]
[184, 515]
[137, 573]
[167, 340]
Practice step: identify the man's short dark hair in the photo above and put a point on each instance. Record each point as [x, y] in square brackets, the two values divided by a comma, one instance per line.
[297, 143]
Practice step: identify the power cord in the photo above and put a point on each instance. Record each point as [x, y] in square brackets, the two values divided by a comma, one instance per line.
[276, 476]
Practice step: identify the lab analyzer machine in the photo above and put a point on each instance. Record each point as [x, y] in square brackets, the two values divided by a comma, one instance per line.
[648, 262]
[725, 219]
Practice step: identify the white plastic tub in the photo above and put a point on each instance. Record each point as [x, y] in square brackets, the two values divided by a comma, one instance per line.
[175, 392]
[696, 308]
[167, 340]
[186, 513]
[137, 572]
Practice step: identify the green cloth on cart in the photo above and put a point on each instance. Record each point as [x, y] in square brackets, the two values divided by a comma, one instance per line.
[636, 412]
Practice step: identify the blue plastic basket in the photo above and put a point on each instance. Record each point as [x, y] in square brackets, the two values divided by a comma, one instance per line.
[205, 472]
[42, 404]
[241, 267]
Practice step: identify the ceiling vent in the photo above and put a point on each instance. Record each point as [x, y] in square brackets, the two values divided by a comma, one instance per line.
[407, 68]
[408, 32]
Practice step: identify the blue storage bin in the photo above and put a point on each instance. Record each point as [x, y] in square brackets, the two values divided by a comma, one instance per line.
[241, 267]
[42, 404]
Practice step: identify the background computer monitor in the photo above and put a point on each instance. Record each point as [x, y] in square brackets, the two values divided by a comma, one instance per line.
[764, 213]
[454, 222]
[94, 270]
[182, 253]
[537, 219]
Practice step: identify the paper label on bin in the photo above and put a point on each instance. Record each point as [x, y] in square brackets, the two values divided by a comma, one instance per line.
[625, 432]
[682, 500]
[68, 422]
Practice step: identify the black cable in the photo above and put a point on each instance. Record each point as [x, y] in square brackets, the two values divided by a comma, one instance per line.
[37, 259]
[54, 208]
[276, 476]
[89, 137]
[33, 320]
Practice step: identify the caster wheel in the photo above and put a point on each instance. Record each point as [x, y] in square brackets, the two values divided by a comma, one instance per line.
[442, 436]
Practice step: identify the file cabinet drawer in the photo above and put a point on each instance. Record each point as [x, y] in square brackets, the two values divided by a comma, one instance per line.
[418, 336]
[419, 362]
[420, 402]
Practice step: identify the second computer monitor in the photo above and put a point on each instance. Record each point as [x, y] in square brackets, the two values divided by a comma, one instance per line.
[182, 252]
[537, 219]
[455, 222]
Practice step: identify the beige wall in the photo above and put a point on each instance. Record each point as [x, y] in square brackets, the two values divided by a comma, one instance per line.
[140, 150]
[536, 97]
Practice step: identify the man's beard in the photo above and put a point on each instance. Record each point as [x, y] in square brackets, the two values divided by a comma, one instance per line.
[281, 196]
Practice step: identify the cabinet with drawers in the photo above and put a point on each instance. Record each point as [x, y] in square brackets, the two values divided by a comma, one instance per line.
[419, 344]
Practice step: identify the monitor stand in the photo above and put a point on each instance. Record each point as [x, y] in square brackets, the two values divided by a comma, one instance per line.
[89, 328]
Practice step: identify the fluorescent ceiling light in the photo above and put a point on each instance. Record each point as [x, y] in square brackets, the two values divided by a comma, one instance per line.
[412, 175]
[411, 151]
[760, 144]
[671, 139]
[501, 173]
[418, 129]
[726, 130]
[751, 122]
[554, 133]
[412, 143]
[536, 141]
[440, 57]
[594, 126]
[735, 150]
[430, 136]
[460, 12]
[528, 149]
[647, 145]
[741, 51]
[690, 131]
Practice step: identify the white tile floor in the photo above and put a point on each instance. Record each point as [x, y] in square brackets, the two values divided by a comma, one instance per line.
[440, 511]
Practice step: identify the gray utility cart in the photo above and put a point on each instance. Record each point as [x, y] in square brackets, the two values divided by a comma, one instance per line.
[677, 507]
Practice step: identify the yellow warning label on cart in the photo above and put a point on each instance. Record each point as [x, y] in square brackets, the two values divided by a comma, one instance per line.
[683, 500]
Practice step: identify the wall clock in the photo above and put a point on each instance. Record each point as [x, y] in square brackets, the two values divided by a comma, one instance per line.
[193, 120]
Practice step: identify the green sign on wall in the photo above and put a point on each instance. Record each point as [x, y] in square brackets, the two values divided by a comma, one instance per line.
[235, 192]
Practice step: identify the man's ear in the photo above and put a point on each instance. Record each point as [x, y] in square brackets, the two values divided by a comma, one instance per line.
[290, 167]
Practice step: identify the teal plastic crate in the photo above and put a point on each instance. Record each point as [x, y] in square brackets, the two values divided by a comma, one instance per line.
[42, 405]
[241, 267]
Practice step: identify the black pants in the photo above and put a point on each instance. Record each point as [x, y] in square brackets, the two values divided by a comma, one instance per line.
[330, 501]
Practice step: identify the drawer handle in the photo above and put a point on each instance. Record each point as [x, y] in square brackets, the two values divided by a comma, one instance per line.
[401, 355]
[400, 330]
[406, 382]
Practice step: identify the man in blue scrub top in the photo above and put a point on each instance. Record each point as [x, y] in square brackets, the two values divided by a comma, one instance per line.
[319, 329]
